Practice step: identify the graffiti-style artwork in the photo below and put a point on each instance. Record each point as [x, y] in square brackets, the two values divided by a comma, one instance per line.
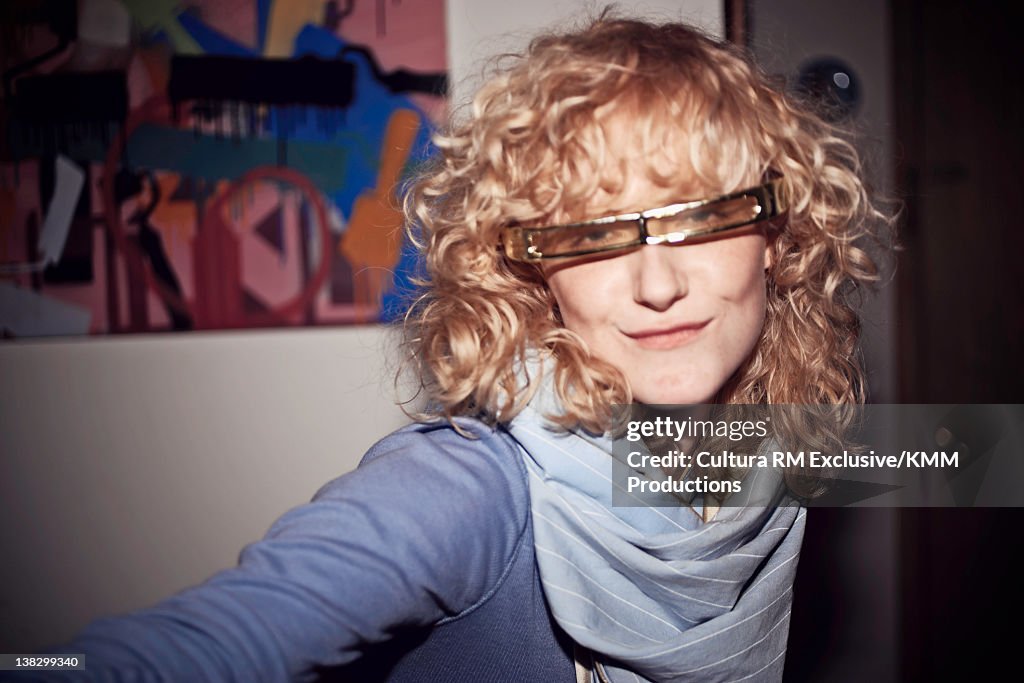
[171, 165]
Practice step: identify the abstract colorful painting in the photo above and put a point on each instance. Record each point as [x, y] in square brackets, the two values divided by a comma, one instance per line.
[210, 164]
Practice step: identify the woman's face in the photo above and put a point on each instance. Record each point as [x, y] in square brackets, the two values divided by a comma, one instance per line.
[676, 320]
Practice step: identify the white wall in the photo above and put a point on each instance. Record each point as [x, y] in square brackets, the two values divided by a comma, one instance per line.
[135, 466]
[479, 29]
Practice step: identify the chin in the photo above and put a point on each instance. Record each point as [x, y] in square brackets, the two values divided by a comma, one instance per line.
[680, 392]
[675, 399]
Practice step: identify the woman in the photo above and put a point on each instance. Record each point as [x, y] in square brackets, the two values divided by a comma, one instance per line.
[484, 546]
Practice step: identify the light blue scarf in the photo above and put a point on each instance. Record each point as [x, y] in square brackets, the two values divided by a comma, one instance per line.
[655, 593]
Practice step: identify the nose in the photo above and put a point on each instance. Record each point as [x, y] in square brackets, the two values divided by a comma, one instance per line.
[659, 280]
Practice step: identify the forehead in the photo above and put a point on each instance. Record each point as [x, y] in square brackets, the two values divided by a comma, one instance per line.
[650, 162]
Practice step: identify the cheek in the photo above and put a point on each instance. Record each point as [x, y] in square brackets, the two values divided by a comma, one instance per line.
[746, 295]
[745, 287]
[734, 282]
[579, 291]
[739, 270]
[754, 309]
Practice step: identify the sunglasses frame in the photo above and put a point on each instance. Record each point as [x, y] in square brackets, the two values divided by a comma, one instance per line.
[518, 242]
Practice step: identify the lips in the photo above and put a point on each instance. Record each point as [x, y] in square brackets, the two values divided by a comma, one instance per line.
[667, 337]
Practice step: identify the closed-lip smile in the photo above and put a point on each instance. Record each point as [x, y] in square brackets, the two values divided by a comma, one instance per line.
[667, 337]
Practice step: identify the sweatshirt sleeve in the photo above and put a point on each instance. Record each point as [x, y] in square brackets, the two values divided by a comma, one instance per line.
[421, 532]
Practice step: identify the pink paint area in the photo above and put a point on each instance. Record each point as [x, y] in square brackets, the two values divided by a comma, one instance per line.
[409, 34]
[270, 276]
[236, 19]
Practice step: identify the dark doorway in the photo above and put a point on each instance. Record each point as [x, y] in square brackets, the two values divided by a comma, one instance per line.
[959, 120]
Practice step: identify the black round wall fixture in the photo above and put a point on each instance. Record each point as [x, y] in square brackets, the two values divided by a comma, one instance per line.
[831, 83]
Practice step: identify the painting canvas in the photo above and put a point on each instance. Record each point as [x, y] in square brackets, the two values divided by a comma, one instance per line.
[210, 164]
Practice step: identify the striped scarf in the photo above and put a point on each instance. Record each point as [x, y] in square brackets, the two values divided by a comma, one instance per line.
[654, 592]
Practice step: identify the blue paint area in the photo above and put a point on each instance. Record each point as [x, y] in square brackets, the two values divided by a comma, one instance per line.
[367, 118]
[262, 19]
[403, 292]
[366, 121]
[157, 36]
[211, 41]
[317, 41]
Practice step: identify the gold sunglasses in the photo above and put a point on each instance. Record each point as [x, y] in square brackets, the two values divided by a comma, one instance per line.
[672, 224]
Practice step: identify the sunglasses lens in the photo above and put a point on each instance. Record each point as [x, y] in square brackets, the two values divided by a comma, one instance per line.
[716, 215]
[582, 239]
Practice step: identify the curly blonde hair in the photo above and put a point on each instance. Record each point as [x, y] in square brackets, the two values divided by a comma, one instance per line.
[534, 149]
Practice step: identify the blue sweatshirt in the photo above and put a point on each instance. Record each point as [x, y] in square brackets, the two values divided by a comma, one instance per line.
[417, 566]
